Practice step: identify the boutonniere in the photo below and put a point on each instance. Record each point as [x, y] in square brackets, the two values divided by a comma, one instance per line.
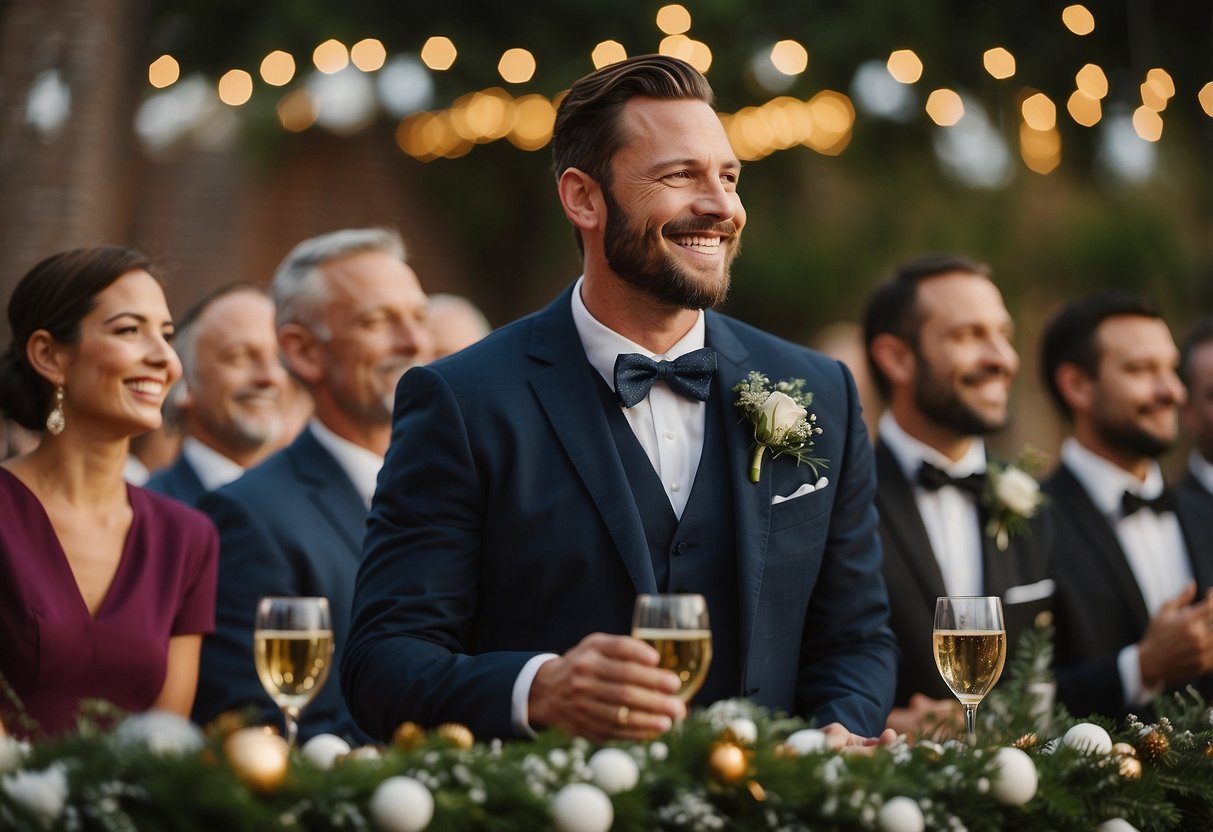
[781, 419]
[1012, 496]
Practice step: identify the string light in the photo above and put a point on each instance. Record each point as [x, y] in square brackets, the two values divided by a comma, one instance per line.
[1205, 97]
[331, 56]
[278, 68]
[1078, 19]
[789, 57]
[517, 66]
[674, 19]
[438, 53]
[1147, 123]
[235, 87]
[368, 54]
[163, 72]
[1092, 81]
[1040, 149]
[1084, 109]
[297, 111]
[1039, 112]
[905, 66]
[945, 107]
[608, 52]
[999, 62]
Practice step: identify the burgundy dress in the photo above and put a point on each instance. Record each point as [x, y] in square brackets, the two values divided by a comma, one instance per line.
[53, 652]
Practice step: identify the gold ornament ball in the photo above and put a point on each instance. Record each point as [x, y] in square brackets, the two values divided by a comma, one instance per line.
[1154, 746]
[1130, 768]
[258, 758]
[1209, 751]
[1123, 749]
[728, 762]
[408, 735]
[457, 735]
[1028, 740]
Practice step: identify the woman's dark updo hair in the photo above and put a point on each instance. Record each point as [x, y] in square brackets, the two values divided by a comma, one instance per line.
[54, 295]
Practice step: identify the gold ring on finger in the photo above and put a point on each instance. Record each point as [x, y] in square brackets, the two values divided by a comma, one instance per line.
[622, 716]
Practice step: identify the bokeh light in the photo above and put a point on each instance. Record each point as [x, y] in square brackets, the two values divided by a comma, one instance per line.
[674, 19]
[278, 68]
[945, 107]
[1078, 19]
[331, 56]
[163, 72]
[368, 54]
[608, 52]
[1040, 149]
[438, 53]
[235, 87]
[1084, 109]
[1039, 112]
[1147, 123]
[517, 66]
[1092, 81]
[789, 57]
[1205, 97]
[999, 62]
[297, 111]
[905, 66]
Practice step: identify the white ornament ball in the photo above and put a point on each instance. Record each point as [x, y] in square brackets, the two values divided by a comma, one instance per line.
[901, 814]
[1116, 825]
[1088, 737]
[744, 730]
[323, 750]
[580, 807]
[364, 753]
[401, 804]
[1016, 779]
[12, 753]
[161, 732]
[614, 770]
[806, 741]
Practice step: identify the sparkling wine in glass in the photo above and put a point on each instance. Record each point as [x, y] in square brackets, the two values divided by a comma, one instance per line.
[677, 626]
[293, 651]
[970, 643]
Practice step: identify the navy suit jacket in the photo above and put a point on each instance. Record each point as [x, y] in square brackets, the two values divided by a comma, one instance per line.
[504, 526]
[1099, 607]
[292, 525]
[912, 575]
[179, 481]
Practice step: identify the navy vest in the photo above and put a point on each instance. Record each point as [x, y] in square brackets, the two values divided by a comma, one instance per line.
[698, 553]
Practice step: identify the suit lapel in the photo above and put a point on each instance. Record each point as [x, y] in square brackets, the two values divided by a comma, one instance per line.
[751, 501]
[330, 491]
[566, 391]
[1195, 510]
[902, 521]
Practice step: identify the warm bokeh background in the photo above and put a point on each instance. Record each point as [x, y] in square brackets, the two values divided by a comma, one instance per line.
[1065, 179]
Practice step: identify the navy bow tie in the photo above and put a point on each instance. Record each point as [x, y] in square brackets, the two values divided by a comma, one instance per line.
[933, 479]
[1130, 502]
[689, 375]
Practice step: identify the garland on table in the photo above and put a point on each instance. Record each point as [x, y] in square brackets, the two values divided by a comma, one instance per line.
[728, 767]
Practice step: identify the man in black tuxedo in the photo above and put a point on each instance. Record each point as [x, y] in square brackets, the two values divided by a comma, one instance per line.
[939, 347]
[1196, 417]
[228, 403]
[1132, 564]
[542, 478]
[351, 321]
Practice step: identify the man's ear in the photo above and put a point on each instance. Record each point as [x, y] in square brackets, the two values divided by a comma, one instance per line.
[302, 352]
[1075, 386]
[581, 198]
[895, 358]
[47, 356]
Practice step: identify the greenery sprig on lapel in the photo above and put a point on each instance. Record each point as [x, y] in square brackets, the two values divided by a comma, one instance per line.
[1012, 495]
[781, 419]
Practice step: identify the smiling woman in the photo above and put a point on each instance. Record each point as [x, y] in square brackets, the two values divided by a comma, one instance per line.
[105, 589]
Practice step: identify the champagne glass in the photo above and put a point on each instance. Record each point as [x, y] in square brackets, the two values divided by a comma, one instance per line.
[970, 643]
[677, 626]
[293, 651]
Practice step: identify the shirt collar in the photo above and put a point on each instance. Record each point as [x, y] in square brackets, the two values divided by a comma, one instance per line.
[603, 344]
[1105, 481]
[213, 468]
[1201, 469]
[910, 453]
[360, 465]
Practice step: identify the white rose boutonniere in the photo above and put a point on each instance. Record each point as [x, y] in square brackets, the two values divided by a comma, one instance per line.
[781, 419]
[1012, 496]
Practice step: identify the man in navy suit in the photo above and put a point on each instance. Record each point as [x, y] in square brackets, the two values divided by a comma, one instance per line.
[351, 321]
[939, 346]
[228, 403]
[1196, 416]
[1134, 605]
[527, 498]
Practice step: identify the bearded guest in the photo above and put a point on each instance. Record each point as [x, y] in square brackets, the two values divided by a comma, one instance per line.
[1132, 564]
[228, 405]
[609, 446]
[939, 345]
[351, 321]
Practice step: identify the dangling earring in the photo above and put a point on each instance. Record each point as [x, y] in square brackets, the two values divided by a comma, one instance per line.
[55, 423]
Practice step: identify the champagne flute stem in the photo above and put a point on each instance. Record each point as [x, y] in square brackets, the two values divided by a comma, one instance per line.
[292, 727]
[971, 724]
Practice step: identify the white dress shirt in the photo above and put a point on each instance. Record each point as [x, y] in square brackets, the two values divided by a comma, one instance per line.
[950, 514]
[359, 464]
[669, 427]
[1201, 469]
[1153, 543]
[213, 468]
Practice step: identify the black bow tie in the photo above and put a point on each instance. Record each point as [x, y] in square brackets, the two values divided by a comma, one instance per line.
[1131, 502]
[690, 375]
[933, 479]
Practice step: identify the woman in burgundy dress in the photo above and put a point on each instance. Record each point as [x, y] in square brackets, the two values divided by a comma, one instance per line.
[105, 589]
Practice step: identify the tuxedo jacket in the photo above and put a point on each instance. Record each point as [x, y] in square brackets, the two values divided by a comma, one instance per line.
[504, 526]
[179, 481]
[292, 525]
[1019, 575]
[1099, 607]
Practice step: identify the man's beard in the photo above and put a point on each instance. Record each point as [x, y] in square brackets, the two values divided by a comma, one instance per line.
[939, 401]
[1129, 438]
[635, 255]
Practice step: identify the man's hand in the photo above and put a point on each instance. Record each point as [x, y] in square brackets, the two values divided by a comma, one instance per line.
[1178, 643]
[838, 738]
[606, 688]
[923, 714]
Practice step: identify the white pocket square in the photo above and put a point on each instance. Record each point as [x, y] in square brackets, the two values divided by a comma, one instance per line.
[807, 488]
[1028, 592]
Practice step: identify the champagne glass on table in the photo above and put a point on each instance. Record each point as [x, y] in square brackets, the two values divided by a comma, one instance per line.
[677, 626]
[970, 648]
[293, 651]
